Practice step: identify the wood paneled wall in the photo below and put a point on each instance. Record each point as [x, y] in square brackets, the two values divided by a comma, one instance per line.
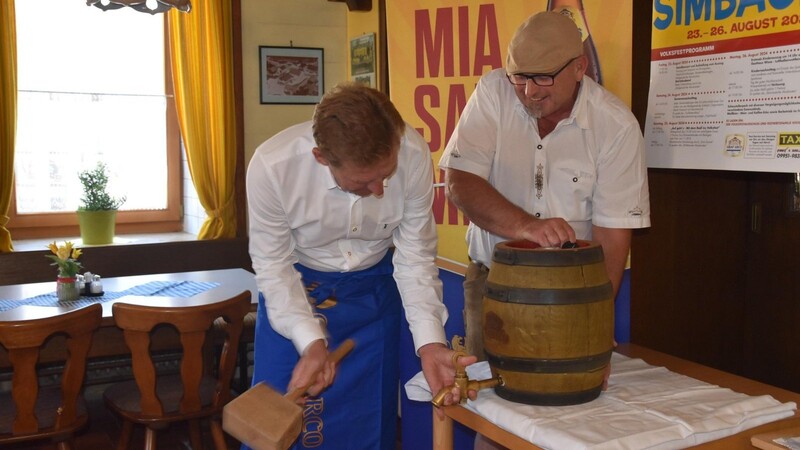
[120, 260]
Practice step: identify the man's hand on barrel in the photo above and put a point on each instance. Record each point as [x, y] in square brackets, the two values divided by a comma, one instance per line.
[313, 370]
[552, 232]
[440, 371]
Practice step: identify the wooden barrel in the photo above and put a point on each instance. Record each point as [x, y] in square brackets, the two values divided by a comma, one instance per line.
[548, 322]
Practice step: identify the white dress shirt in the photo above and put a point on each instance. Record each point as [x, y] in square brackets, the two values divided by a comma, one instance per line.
[589, 170]
[297, 213]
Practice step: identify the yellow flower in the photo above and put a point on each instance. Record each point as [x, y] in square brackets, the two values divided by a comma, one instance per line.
[66, 258]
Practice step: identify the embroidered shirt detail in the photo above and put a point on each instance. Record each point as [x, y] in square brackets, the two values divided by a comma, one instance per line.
[539, 180]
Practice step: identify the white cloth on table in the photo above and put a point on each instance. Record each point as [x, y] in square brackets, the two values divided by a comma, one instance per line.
[644, 407]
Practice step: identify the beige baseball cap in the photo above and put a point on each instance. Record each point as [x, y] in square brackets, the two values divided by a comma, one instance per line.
[544, 43]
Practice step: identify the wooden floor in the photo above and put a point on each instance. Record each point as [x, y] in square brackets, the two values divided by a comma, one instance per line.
[103, 431]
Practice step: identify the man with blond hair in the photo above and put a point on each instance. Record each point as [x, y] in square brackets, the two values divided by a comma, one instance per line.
[340, 208]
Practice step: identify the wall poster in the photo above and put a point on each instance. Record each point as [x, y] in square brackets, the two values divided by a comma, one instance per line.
[725, 86]
[362, 59]
[438, 49]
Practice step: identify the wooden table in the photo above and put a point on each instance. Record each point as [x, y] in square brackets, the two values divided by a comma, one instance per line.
[443, 428]
[108, 340]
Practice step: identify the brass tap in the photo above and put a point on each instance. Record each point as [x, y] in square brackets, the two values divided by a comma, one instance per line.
[463, 383]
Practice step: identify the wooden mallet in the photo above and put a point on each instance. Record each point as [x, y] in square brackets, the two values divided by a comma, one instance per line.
[266, 420]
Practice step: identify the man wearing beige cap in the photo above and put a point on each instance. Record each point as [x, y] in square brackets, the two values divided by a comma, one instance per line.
[542, 152]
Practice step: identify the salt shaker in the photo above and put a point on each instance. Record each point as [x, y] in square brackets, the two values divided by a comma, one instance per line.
[97, 285]
[81, 286]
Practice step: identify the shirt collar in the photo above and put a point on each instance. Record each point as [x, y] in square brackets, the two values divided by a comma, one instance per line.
[579, 114]
[327, 176]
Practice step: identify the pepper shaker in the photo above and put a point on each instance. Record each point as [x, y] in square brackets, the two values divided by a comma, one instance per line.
[81, 283]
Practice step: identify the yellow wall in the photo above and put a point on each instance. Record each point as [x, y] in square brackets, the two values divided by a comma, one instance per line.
[304, 23]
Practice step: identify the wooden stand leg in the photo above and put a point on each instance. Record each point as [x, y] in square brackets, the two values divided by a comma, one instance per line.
[442, 432]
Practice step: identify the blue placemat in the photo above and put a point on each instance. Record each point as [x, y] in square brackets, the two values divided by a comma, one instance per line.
[151, 289]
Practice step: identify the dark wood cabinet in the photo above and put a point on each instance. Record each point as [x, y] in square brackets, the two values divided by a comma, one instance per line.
[716, 279]
[772, 301]
[687, 277]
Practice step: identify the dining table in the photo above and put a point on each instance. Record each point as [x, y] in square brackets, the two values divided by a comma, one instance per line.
[741, 439]
[37, 300]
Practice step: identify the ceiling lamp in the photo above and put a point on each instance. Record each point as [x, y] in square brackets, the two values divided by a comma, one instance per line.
[148, 6]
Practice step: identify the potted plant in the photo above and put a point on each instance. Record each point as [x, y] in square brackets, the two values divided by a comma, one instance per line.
[97, 212]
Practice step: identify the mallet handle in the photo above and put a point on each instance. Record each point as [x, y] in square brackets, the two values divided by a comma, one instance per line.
[334, 357]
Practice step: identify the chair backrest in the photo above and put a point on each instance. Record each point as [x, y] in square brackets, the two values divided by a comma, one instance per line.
[22, 340]
[192, 322]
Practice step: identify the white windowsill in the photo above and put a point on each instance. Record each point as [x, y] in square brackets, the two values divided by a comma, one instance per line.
[24, 245]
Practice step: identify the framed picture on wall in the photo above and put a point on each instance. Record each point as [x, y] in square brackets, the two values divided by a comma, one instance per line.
[362, 59]
[291, 75]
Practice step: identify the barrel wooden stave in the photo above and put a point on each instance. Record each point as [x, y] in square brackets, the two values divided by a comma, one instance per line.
[549, 354]
[548, 332]
[551, 277]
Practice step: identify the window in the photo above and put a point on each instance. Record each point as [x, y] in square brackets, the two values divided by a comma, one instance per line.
[93, 86]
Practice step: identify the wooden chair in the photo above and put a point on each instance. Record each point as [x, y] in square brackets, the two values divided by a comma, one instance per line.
[154, 400]
[247, 337]
[54, 412]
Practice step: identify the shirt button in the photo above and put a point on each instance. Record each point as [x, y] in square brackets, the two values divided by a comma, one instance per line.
[574, 179]
[539, 147]
[538, 214]
[355, 229]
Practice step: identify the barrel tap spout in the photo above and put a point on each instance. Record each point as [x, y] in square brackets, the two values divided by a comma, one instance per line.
[463, 383]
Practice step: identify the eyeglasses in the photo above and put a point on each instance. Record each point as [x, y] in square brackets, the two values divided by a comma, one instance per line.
[521, 79]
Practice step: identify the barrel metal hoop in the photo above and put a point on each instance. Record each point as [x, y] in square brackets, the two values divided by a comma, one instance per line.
[538, 365]
[533, 296]
[548, 399]
[548, 257]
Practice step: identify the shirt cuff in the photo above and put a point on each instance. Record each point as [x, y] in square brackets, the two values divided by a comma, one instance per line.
[305, 333]
[428, 333]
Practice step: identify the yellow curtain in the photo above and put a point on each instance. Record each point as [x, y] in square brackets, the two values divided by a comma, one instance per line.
[8, 115]
[201, 47]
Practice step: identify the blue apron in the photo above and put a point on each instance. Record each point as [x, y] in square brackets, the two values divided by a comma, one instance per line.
[359, 410]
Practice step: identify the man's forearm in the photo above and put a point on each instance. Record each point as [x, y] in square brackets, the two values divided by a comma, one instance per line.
[616, 243]
[484, 205]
